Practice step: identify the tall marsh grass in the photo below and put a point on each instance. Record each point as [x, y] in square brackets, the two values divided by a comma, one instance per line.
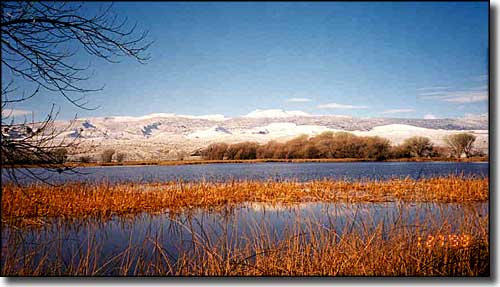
[439, 241]
[34, 202]
[63, 230]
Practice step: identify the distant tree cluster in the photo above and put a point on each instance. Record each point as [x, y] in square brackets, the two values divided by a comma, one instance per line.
[35, 157]
[341, 145]
[325, 145]
[85, 159]
[109, 155]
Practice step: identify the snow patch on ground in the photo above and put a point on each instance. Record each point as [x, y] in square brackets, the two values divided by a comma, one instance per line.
[157, 135]
[214, 132]
[282, 129]
[398, 133]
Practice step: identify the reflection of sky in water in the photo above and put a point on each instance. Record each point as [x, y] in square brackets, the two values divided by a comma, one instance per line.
[276, 171]
[237, 224]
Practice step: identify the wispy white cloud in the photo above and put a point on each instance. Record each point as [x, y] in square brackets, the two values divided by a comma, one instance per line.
[397, 111]
[298, 100]
[431, 93]
[14, 112]
[340, 106]
[464, 97]
[480, 78]
[470, 116]
[433, 88]
[430, 117]
[275, 113]
[467, 96]
[483, 87]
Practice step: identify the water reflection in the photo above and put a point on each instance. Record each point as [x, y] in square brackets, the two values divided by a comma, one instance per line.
[267, 171]
[128, 241]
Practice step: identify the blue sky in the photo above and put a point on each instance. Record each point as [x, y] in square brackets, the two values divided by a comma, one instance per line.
[386, 59]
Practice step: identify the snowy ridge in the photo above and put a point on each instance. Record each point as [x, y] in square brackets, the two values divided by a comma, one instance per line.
[275, 113]
[284, 129]
[215, 117]
[215, 132]
[397, 133]
[166, 135]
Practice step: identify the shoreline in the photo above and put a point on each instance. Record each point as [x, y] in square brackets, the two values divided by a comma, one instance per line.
[195, 162]
[308, 246]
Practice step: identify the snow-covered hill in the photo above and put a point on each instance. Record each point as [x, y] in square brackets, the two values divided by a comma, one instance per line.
[275, 113]
[168, 136]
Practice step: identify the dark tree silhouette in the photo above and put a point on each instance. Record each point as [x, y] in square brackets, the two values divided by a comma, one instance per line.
[39, 44]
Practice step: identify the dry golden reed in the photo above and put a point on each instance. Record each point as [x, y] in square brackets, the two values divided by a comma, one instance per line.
[104, 199]
[304, 247]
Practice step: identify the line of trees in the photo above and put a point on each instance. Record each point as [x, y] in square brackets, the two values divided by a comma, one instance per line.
[61, 156]
[341, 145]
[53, 156]
[325, 145]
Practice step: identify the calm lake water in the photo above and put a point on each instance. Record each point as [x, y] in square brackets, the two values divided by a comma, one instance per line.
[266, 171]
[67, 241]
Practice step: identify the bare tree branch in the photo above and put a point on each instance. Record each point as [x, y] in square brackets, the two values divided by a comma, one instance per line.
[40, 41]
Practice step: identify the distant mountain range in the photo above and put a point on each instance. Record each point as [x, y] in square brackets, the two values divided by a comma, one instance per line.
[170, 136]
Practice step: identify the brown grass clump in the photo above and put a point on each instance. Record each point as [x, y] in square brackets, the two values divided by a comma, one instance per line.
[73, 200]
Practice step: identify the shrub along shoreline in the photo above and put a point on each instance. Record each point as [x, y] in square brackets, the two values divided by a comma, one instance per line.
[344, 145]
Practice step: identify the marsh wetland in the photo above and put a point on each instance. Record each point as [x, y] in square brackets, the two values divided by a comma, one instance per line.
[334, 219]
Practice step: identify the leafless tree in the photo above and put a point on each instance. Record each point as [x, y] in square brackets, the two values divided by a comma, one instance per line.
[107, 155]
[39, 44]
[120, 157]
[461, 143]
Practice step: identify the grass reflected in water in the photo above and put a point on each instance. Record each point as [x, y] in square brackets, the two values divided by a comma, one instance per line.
[312, 239]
